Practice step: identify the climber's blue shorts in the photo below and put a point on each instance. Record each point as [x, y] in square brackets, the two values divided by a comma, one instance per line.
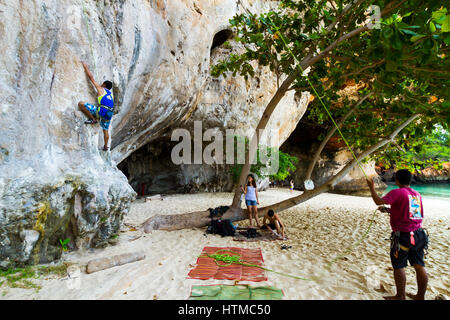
[104, 124]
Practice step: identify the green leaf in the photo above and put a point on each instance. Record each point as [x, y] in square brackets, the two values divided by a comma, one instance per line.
[439, 15]
[412, 33]
[418, 37]
[446, 24]
[432, 27]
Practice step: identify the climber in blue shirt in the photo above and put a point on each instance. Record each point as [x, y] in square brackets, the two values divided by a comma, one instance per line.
[104, 110]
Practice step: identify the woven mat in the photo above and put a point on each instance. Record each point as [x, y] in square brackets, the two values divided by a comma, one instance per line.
[236, 292]
[207, 268]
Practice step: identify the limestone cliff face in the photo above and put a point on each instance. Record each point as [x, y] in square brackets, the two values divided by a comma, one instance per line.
[224, 103]
[54, 181]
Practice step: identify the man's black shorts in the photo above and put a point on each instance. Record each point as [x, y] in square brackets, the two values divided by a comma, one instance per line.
[271, 225]
[408, 252]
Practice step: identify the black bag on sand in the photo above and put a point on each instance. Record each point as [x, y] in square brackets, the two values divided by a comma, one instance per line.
[252, 233]
[222, 227]
[217, 212]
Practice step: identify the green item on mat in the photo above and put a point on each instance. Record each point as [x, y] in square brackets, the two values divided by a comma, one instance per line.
[228, 259]
[237, 292]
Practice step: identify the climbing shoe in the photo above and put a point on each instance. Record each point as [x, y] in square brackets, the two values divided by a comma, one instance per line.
[91, 121]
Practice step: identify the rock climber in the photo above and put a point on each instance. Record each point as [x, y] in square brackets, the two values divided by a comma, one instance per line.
[104, 110]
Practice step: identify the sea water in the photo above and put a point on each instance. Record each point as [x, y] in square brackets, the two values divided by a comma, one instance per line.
[436, 190]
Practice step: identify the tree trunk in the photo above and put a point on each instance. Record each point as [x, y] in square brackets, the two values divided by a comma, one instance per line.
[249, 156]
[201, 218]
[308, 61]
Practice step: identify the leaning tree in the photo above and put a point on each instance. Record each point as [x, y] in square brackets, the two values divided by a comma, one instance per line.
[319, 46]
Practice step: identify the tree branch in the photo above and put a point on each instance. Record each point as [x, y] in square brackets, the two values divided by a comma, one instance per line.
[201, 218]
[305, 63]
[330, 134]
[329, 185]
[371, 150]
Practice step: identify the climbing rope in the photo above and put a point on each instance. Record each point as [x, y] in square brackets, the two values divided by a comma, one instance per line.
[89, 35]
[228, 260]
[314, 89]
[353, 246]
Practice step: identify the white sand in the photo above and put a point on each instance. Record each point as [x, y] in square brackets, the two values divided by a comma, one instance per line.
[318, 231]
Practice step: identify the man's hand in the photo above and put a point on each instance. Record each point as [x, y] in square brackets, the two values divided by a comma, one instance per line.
[373, 193]
[383, 209]
[91, 77]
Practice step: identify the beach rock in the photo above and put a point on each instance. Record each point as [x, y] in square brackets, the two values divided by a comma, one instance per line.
[432, 175]
[424, 176]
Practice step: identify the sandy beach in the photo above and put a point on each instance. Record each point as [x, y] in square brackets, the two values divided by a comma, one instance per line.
[318, 230]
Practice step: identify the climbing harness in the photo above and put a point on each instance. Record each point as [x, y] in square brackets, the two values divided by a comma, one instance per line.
[396, 246]
[228, 259]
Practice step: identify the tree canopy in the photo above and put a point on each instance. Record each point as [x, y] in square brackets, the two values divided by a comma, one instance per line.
[404, 64]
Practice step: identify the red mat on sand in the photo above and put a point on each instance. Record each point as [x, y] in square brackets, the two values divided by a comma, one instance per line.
[208, 269]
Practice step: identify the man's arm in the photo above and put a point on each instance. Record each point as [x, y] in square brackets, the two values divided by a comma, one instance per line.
[378, 201]
[91, 77]
[279, 221]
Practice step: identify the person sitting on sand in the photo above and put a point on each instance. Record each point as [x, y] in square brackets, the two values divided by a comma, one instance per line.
[251, 199]
[105, 109]
[408, 239]
[275, 223]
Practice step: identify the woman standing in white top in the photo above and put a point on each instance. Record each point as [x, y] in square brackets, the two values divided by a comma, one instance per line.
[251, 199]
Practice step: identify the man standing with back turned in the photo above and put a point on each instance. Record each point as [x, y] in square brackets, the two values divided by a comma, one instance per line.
[408, 239]
[105, 109]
